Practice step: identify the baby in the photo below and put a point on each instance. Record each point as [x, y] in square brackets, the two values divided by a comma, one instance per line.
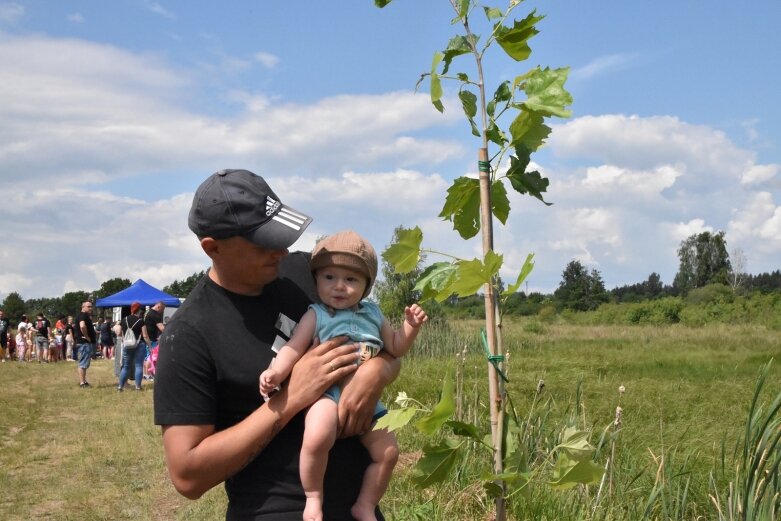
[344, 266]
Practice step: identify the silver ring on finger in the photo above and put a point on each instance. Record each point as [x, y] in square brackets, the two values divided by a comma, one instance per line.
[331, 366]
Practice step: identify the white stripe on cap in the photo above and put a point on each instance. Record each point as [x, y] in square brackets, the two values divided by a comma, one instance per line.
[287, 213]
[290, 224]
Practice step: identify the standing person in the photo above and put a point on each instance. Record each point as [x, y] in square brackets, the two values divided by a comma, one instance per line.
[85, 341]
[24, 329]
[42, 337]
[153, 326]
[5, 326]
[345, 267]
[21, 341]
[216, 427]
[132, 357]
[106, 339]
[70, 340]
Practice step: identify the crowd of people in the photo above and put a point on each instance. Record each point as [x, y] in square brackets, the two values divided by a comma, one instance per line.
[80, 339]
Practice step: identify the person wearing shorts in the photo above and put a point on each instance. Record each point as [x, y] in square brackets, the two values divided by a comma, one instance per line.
[85, 341]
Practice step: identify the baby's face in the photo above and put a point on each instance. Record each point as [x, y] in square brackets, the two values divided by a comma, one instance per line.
[340, 288]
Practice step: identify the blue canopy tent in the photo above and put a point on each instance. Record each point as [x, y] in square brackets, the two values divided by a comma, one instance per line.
[140, 292]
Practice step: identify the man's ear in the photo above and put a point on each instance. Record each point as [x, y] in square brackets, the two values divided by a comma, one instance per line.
[210, 247]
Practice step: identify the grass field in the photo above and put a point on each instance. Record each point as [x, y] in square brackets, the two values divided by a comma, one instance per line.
[81, 454]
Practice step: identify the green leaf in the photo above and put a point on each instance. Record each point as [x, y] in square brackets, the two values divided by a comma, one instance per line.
[381, 3]
[436, 464]
[490, 108]
[503, 92]
[527, 268]
[443, 410]
[395, 419]
[514, 40]
[492, 489]
[436, 93]
[462, 206]
[575, 443]
[465, 429]
[463, 8]
[499, 202]
[568, 473]
[495, 134]
[436, 84]
[461, 76]
[513, 480]
[434, 280]
[528, 182]
[492, 13]
[529, 130]
[468, 102]
[404, 255]
[457, 46]
[546, 93]
[472, 275]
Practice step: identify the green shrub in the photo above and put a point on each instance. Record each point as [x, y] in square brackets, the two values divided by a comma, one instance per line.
[712, 293]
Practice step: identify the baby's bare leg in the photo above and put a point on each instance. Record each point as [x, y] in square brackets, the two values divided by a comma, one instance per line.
[384, 452]
[319, 436]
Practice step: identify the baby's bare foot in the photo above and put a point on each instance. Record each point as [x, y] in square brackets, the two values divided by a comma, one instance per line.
[363, 512]
[313, 511]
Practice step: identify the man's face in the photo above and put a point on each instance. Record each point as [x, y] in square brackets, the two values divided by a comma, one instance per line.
[2, 315]
[248, 264]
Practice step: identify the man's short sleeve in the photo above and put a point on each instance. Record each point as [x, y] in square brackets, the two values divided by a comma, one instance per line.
[185, 385]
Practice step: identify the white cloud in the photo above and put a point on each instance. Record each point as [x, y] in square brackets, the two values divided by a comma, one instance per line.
[80, 119]
[162, 11]
[642, 143]
[268, 60]
[602, 65]
[643, 182]
[682, 231]
[758, 174]
[759, 224]
[75, 18]
[11, 12]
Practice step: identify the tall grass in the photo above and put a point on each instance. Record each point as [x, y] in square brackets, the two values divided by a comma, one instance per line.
[695, 425]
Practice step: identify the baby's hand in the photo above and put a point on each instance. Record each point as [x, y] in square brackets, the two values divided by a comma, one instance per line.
[415, 315]
[268, 381]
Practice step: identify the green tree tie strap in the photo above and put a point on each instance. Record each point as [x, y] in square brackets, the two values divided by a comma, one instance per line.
[494, 359]
[484, 166]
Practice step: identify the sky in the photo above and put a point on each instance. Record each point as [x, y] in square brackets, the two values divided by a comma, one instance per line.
[112, 114]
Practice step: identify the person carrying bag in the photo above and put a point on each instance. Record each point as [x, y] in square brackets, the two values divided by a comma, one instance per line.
[132, 356]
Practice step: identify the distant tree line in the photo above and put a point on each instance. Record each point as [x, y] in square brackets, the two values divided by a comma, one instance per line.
[703, 262]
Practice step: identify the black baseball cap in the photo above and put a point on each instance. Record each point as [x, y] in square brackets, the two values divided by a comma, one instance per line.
[234, 203]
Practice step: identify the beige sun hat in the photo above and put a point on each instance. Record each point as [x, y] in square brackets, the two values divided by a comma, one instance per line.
[349, 250]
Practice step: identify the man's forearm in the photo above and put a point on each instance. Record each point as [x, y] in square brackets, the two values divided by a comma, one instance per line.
[198, 458]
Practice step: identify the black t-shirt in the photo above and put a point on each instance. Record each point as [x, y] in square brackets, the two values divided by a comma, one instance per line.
[84, 317]
[211, 355]
[4, 325]
[135, 323]
[106, 333]
[151, 320]
[42, 325]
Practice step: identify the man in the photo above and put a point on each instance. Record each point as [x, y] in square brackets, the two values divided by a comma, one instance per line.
[215, 425]
[4, 327]
[42, 337]
[85, 341]
[153, 326]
